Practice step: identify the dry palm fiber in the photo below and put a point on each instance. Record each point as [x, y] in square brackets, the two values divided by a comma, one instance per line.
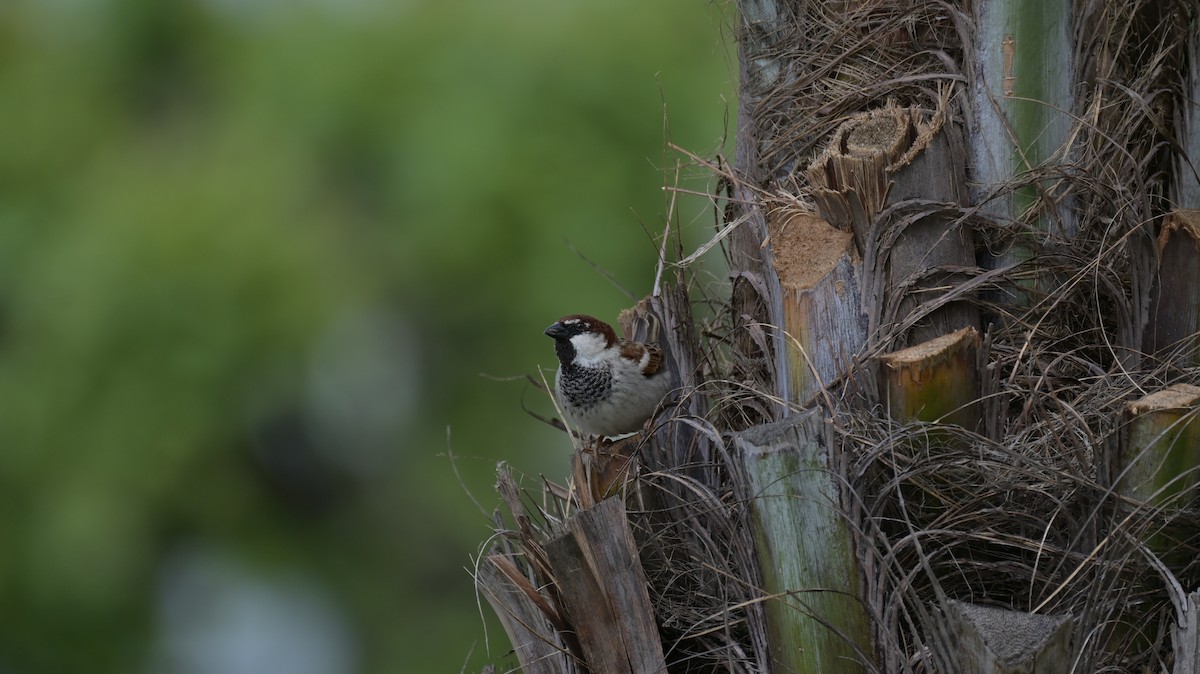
[1026, 512]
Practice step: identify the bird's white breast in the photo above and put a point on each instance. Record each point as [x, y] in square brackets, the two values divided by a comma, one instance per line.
[631, 399]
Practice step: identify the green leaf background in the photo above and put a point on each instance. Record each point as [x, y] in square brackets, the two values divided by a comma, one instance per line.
[254, 256]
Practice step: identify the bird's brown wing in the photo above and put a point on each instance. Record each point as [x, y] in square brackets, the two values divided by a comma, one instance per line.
[634, 351]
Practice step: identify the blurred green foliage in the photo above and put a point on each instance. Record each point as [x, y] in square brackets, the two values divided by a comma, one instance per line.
[203, 203]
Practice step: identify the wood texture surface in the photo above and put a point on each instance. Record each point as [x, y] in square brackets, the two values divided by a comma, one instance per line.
[816, 618]
[1175, 296]
[603, 591]
[537, 645]
[998, 641]
[937, 380]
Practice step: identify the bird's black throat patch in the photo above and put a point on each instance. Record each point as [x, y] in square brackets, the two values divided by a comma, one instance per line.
[565, 350]
[585, 386]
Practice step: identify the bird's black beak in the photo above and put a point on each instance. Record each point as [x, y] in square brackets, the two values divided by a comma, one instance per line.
[557, 331]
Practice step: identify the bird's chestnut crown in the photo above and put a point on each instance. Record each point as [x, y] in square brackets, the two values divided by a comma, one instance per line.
[577, 324]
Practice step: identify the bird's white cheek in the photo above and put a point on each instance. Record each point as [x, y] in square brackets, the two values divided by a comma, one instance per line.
[589, 348]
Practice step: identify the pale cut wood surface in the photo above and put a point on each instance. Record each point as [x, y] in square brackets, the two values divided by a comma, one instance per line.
[822, 307]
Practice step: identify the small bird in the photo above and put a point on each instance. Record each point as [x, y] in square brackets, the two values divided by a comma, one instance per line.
[605, 385]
